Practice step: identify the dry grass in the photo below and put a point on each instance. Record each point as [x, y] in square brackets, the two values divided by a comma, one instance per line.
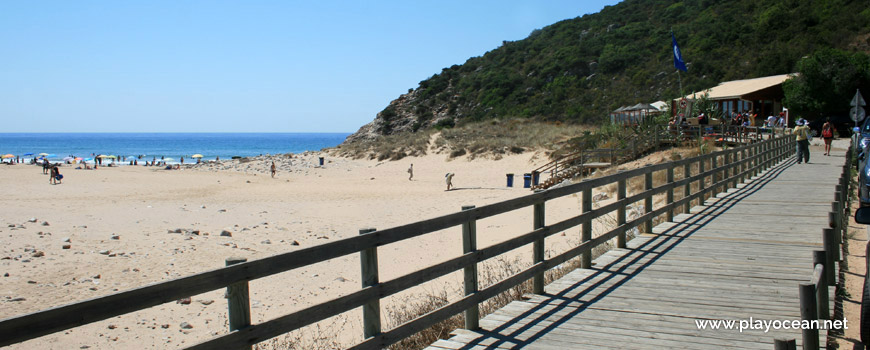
[319, 336]
[491, 139]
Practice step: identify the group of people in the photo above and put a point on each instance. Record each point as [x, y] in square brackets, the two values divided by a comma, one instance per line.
[803, 136]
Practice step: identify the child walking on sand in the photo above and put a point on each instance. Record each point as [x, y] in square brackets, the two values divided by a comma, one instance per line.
[273, 170]
[449, 180]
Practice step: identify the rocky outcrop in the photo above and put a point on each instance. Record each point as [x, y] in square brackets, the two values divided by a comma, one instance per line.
[403, 115]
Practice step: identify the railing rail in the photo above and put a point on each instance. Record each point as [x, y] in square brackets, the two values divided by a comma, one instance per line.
[737, 164]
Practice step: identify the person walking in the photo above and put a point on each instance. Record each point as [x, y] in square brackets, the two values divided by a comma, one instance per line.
[449, 179]
[802, 146]
[411, 172]
[274, 170]
[828, 135]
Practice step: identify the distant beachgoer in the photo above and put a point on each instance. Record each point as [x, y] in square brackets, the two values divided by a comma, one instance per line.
[449, 179]
[411, 172]
[273, 170]
[828, 135]
[182, 160]
[55, 176]
[45, 166]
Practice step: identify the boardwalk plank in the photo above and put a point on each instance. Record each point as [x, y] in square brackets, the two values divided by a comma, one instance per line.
[739, 255]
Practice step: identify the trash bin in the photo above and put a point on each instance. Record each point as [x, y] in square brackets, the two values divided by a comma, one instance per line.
[321, 161]
[535, 177]
[510, 180]
[527, 180]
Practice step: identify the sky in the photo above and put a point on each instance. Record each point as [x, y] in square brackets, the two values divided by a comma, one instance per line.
[239, 66]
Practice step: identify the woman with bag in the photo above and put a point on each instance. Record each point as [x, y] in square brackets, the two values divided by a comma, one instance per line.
[828, 135]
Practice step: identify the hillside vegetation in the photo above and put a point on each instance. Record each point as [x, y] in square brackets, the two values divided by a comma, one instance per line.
[577, 70]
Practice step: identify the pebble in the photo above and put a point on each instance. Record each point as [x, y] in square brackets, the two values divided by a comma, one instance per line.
[266, 242]
[206, 302]
[66, 240]
[116, 237]
[45, 223]
[184, 301]
[185, 325]
[111, 326]
[295, 243]
[38, 254]
[226, 233]
[66, 246]
[31, 220]
[104, 252]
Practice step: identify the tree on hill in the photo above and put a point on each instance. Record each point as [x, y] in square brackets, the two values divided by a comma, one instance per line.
[826, 82]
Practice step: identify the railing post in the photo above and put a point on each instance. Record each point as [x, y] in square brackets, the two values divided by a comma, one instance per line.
[820, 258]
[469, 245]
[620, 213]
[702, 182]
[834, 223]
[830, 253]
[687, 189]
[670, 195]
[808, 313]
[369, 268]
[586, 233]
[538, 246]
[238, 301]
[714, 167]
[648, 201]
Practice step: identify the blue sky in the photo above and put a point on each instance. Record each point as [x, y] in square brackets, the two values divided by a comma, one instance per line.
[238, 66]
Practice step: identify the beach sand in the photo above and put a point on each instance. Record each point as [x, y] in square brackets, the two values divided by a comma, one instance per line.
[131, 226]
[120, 224]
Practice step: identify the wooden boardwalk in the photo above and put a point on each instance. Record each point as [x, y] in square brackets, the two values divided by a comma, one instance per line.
[740, 255]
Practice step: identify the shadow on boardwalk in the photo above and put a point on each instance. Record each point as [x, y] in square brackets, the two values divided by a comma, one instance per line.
[569, 301]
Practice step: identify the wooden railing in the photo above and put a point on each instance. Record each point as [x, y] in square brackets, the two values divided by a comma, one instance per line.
[573, 164]
[814, 297]
[726, 168]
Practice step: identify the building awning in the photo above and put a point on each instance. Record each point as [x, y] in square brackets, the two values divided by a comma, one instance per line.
[748, 89]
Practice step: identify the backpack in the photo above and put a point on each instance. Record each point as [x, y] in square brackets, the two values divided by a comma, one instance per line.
[827, 133]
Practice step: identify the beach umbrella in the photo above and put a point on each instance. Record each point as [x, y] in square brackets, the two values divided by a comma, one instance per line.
[89, 159]
[8, 156]
[51, 155]
[28, 154]
[78, 158]
[196, 156]
[168, 159]
[105, 156]
[66, 159]
[43, 154]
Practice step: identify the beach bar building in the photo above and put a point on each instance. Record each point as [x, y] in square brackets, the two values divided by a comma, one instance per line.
[762, 96]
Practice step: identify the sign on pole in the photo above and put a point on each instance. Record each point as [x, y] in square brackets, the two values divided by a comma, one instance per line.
[857, 111]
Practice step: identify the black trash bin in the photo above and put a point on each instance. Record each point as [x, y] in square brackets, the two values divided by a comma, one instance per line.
[527, 180]
[321, 161]
[510, 180]
[535, 177]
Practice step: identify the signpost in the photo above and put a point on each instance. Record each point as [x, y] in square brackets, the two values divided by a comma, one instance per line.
[857, 113]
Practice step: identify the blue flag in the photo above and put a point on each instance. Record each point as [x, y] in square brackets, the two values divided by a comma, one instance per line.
[678, 57]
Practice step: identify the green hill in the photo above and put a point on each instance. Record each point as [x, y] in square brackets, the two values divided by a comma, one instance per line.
[578, 70]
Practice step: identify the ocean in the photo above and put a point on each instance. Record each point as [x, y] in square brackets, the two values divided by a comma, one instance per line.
[169, 145]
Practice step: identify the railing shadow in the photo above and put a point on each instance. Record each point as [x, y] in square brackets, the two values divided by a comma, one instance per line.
[651, 251]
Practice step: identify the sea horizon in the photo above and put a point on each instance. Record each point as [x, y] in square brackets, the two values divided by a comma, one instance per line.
[149, 145]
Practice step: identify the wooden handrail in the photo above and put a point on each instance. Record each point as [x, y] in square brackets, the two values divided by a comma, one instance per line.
[21, 328]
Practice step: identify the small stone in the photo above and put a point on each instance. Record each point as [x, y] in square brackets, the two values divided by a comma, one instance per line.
[206, 302]
[97, 276]
[266, 242]
[17, 299]
[111, 326]
[222, 211]
[104, 252]
[164, 326]
[45, 223]
[31, 220]
[84, 347]
[185, 325]
[31, 282]
[38, 254]
[341, 279]
[184, 301]
[66, 246]
[295, 243]
[226, 233]
[6, 274]
[65, 240]
[116, 237]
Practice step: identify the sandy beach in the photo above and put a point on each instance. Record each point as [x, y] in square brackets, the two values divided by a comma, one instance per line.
[117, 228]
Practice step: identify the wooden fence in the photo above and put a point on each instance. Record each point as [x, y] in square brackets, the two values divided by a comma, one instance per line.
[814, 297]
[724, 169]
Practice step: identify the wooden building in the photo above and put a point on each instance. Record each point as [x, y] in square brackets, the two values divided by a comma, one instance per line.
[762, 96]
